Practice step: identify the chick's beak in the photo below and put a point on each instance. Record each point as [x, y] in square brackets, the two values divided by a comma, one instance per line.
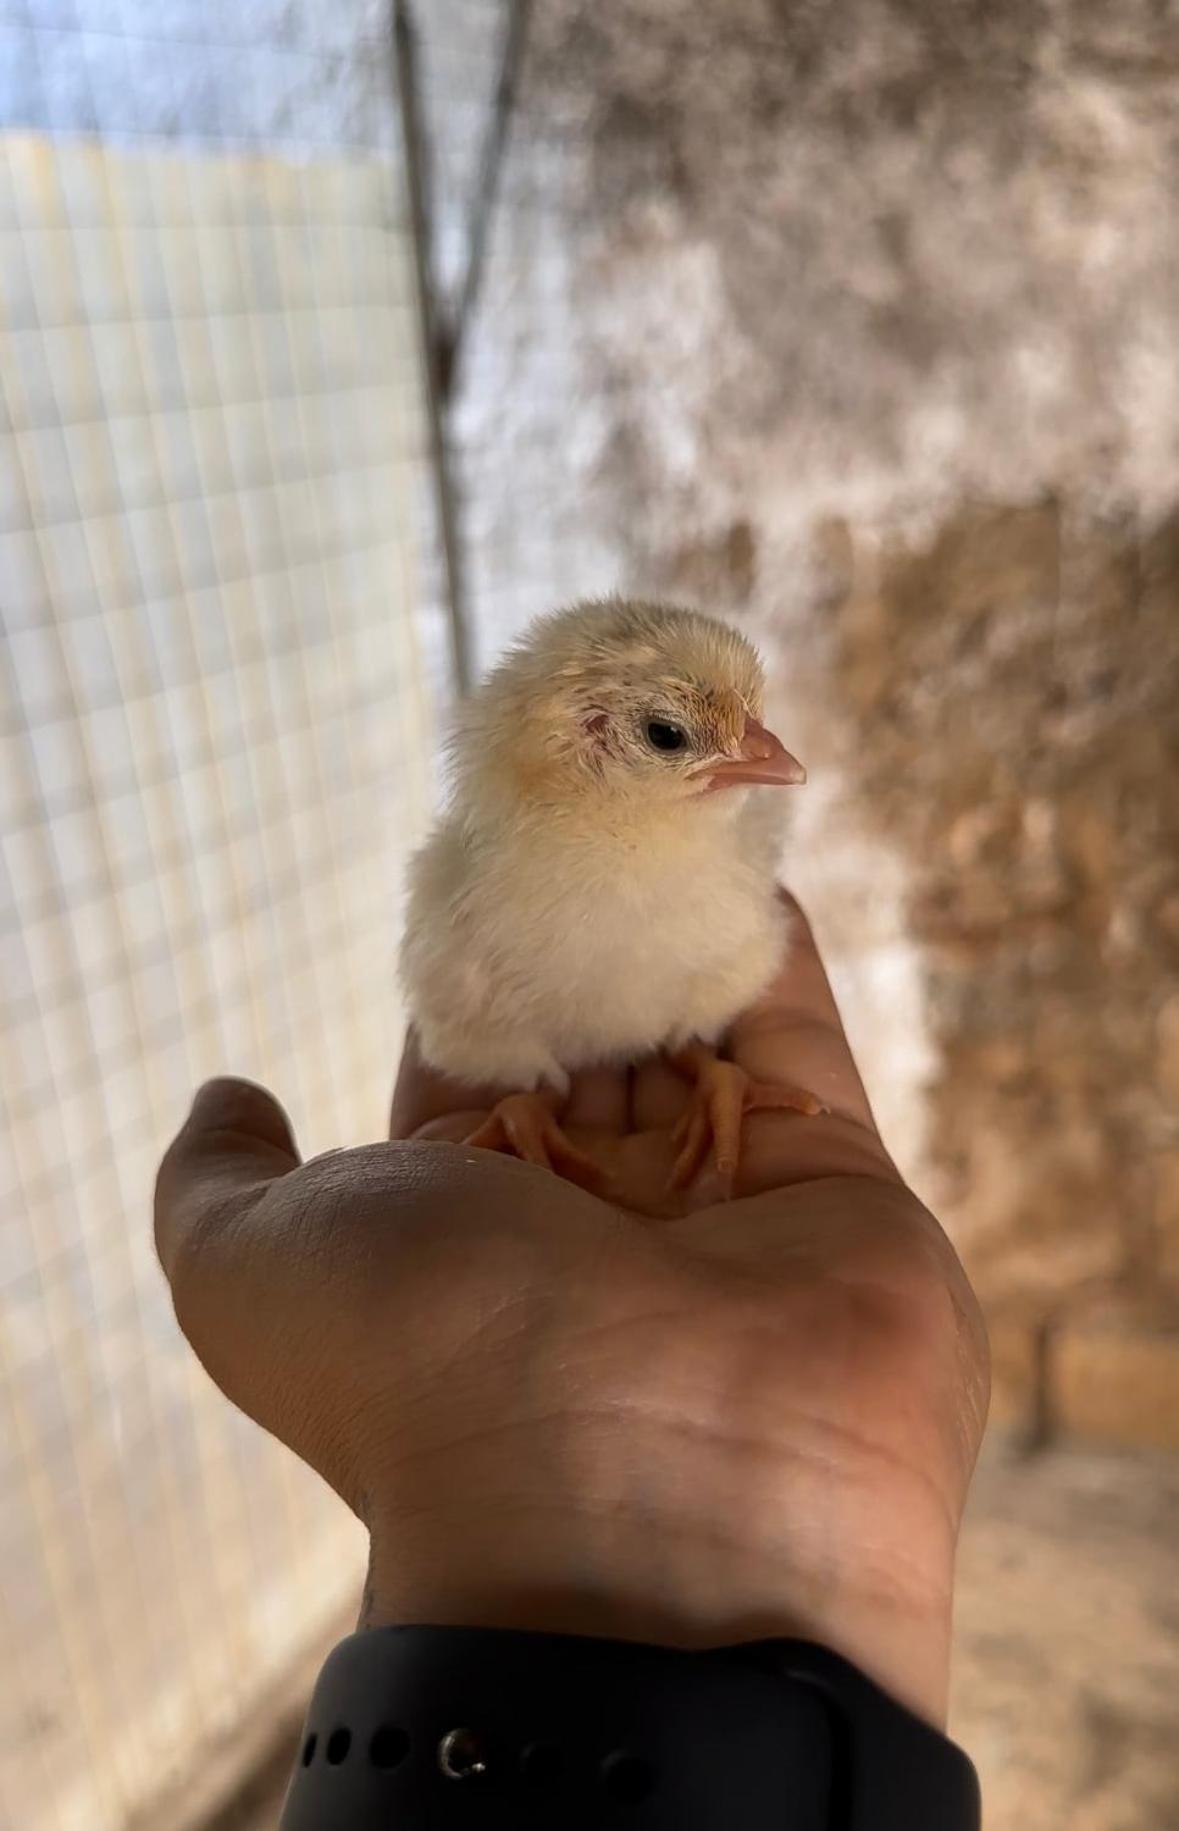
[760, 758]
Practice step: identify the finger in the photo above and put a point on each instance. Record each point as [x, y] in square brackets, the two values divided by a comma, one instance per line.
[454, 1127]
[780, 1149]
[598, 1099]
[423, 1095]
[425, 1101]
[794, 1035]
[658, 1095]
[235, 1142]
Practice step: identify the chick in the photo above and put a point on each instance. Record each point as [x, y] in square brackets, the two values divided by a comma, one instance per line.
[603, 884]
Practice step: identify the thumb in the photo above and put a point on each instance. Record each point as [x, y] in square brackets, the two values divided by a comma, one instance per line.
[235, 1142]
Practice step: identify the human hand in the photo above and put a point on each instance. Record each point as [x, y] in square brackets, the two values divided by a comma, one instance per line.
[551, 1411]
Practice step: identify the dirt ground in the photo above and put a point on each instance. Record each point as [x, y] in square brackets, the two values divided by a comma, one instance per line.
[1067, 1648]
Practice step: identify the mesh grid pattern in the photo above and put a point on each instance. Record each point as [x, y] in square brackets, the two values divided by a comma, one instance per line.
[213, 753]
[290, 73]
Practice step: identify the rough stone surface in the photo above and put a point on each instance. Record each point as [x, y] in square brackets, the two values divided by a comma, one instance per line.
[1166, 1214]
[1114, 1372]
[1018, 1349]
[859, 326]
[1013, 689]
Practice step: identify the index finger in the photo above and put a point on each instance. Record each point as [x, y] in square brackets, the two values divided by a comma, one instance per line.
[424, 1097]
[429, 1104]
[793, 1035]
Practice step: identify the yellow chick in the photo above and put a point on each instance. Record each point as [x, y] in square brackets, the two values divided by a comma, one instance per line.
[603, 883]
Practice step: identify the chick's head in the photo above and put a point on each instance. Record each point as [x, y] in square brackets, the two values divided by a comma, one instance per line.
[625, 699]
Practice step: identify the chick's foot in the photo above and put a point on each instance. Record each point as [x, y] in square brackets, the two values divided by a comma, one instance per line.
[722, 1094]
[525, 1125]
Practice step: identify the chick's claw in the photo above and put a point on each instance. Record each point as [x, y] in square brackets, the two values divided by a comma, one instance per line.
[525, 1125]
[721, 1096]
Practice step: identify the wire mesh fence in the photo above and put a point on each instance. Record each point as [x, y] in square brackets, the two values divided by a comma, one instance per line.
[213, 752]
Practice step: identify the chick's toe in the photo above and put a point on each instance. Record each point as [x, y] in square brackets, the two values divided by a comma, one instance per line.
[722, 1094]
[525, 1125]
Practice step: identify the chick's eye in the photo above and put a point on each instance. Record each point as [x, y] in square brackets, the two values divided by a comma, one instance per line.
[662, 736]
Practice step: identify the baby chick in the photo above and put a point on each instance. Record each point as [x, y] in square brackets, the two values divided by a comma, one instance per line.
[603, 884]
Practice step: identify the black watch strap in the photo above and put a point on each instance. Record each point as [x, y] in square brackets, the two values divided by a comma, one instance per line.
[429, 1729]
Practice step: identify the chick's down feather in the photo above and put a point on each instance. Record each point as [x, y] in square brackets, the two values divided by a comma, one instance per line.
[603, 881]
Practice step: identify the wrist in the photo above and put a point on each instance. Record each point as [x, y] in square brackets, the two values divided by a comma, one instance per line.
[556, 1572]
[458, 1727]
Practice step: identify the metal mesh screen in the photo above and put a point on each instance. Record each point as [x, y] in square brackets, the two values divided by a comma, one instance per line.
[235, 73]
[212, 755]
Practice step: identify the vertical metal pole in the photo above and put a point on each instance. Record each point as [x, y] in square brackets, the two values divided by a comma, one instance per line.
[491, 163]
[435, 345]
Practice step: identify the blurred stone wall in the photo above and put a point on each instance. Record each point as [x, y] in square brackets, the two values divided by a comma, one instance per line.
[860, 324]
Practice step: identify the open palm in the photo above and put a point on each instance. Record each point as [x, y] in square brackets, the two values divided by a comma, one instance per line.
[551, 1410]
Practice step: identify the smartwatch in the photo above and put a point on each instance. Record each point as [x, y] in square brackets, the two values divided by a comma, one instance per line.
[484, 1729]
